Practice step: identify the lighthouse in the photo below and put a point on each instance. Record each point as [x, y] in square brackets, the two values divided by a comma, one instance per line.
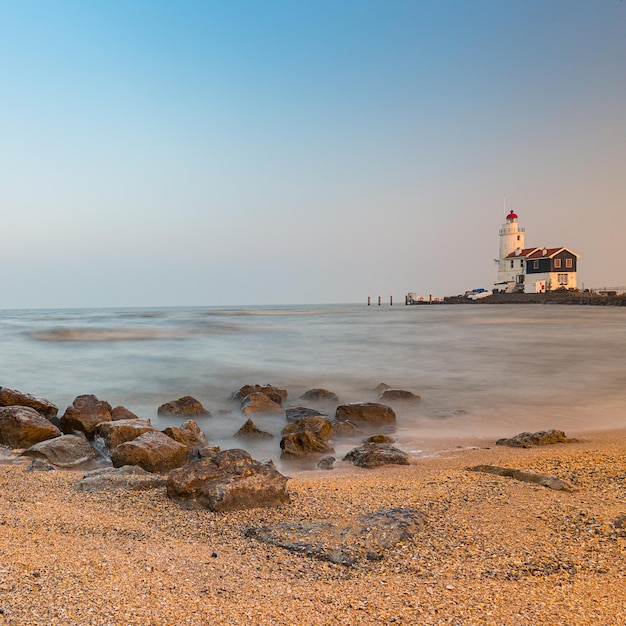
[510, 261]
[532, 270]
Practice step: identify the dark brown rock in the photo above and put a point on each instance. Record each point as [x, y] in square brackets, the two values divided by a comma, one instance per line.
[128, 477]
[551, 482]
[379, 439]
[319, 395]
[326, 463]
[398, 395]
[153, 451]
[317, 424]
[109, 435]
[296, 445]
[84, 414]
[11, 397]
[189, 434]
[208, 451]
[22, 427]
[298, 412]
[39, 465]
[381, 387]
[365, 412]
[250, 431]
[183, 407]
[540, 438]
[122, 413]
[343, 428]
[228, 481]
[376, 454]
[273, 393]
[66, 451]
[308, 435]
[257, 402]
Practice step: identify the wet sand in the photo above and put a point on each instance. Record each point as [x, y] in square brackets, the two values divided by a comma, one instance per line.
[494, 551]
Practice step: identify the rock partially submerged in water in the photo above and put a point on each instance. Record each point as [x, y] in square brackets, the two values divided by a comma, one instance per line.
[398, 395]
[187, 406]
[67, 451]
[84, 414]
[22, 427]
[540, 438]
[319, 395]
[366, 413]
[12, 397]
[249, 430]
[228, 481]
[374, 454]
[368, 538]
[309, 435]
[257, 402]
[273, 393]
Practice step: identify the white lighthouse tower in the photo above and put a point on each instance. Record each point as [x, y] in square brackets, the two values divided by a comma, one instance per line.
[510, 270]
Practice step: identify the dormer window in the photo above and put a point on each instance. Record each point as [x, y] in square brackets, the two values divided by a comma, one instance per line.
[536, 265]
[568, 263]
[557, 264]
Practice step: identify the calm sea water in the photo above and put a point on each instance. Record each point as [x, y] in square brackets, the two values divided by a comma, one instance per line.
[483, 371]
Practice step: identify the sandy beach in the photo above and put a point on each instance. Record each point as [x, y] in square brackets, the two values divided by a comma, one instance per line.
[493, 551]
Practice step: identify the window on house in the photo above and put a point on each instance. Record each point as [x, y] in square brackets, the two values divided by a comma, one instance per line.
[518, 237]
[568, 263]
[521, 262]
[562, 278]
[557, 263]
[511, 263]
[536, 265]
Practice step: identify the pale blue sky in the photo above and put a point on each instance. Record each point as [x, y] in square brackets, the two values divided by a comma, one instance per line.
[275, 152]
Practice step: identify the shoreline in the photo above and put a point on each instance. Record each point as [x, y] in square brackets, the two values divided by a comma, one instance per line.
[493, 551]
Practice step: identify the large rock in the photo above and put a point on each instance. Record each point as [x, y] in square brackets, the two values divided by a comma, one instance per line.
[153, 451]
[65, 451]
[109, 435]
[540, 438]
[122, 413]
[319, 395]
[366, 413]
[273, 393]
[228, 481]
[187, 406]
[189, 434]
[309, 435]
[316, 424]
[11, 397]
[84, 414]
[372, 454]
[298, 412]
[249, 430]
[367, 538]
[128, 477]
[257, 402]
[395, 395]
[22, 427]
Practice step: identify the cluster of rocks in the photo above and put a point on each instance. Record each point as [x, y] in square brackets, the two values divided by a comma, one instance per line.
[129, 452]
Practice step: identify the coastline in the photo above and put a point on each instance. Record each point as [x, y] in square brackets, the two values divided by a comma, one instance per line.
[493, 551]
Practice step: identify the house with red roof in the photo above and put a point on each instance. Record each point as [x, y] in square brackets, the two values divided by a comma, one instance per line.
[532, 270]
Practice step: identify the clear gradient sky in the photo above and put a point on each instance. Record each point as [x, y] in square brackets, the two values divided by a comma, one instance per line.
[278, 151]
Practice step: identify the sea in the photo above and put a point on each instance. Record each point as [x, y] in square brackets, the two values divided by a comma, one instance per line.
[482, 371]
